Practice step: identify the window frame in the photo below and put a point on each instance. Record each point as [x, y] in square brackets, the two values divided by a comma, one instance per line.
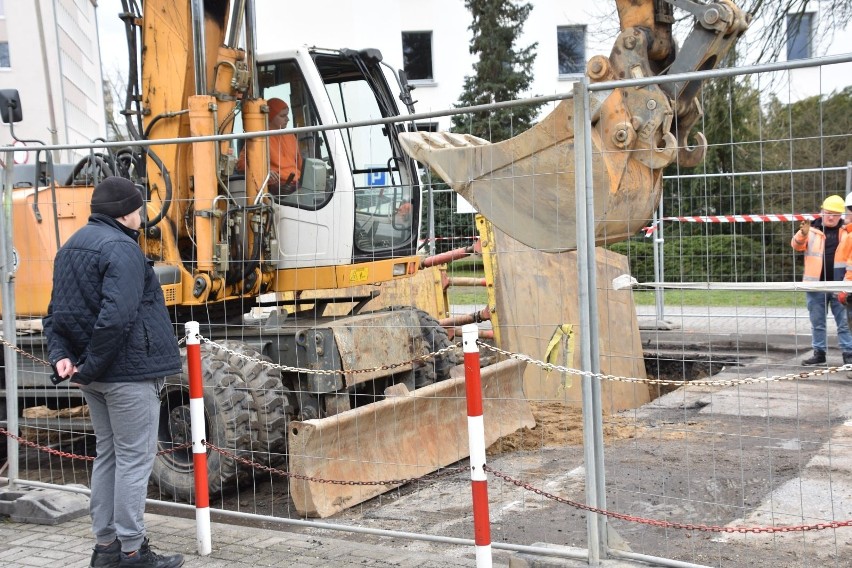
[419, 81]
[8, 55]
[799, 37]
[582, 56]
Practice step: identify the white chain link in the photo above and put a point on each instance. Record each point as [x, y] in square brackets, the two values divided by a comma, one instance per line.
[722, 382]
[418, 359]
[546, 366]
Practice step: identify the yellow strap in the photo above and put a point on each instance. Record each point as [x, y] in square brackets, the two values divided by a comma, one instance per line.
[564, 334]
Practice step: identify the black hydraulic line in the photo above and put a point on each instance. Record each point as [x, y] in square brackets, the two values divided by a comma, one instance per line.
[167, 180]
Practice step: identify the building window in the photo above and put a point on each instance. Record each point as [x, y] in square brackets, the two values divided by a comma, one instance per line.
[799, 35]
[4, 55]
[417, 55]
[571, 43]
[426, 126]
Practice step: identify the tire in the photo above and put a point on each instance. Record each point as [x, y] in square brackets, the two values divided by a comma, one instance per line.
[229, 416]
[272, 401]
[435, 338]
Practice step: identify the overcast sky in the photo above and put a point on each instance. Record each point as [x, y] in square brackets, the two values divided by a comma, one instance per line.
[111, 36]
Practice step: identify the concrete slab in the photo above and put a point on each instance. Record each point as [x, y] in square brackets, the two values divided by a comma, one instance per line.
[43, 506]
[782, 399]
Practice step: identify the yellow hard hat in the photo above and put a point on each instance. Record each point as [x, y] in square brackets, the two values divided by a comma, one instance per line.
[834, 203]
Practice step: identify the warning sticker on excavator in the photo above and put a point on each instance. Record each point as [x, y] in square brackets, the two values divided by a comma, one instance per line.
[359, 275]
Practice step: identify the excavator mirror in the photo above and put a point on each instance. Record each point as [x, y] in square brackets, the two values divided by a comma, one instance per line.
[10, 106]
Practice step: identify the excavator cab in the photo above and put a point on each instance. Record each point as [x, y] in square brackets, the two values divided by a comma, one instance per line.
[358, 195]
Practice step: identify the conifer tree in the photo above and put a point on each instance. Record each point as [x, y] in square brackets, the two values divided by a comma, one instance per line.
[503, 72]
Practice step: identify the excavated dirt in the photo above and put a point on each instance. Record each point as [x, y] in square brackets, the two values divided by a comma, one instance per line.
[558, 424]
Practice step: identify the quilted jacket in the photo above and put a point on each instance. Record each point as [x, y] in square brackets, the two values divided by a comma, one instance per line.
[107, 312]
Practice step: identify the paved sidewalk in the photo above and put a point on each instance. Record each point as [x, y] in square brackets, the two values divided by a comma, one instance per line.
[69, 545]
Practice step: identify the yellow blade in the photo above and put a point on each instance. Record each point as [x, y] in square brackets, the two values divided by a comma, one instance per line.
[398, 438]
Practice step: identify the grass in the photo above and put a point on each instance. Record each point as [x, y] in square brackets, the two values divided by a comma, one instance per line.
[769, 299]
[773, 299]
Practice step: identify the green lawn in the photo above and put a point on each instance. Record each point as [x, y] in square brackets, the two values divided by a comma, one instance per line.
[773, 299]
[769, 299]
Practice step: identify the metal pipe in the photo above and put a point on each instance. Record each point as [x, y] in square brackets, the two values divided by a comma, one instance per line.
[449, 256]
[763, 173]
[476, 317]
[48, 87]
[471, 109]
[580, 148]
[599, 473]
[659, 262]
[848, 178]
[251, 49]
[235, 24]
[431, 219]
[653, 560]
[7, 296]
[268, 521]
[466, 281]
[199, 47]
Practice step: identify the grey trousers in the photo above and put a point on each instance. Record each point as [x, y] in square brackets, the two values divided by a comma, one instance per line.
[125, 417]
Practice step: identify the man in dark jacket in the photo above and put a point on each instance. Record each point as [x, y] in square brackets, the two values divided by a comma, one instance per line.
[108, 330]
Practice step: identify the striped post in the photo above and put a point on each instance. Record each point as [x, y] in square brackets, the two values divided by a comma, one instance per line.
[476, 441]
[199, 451]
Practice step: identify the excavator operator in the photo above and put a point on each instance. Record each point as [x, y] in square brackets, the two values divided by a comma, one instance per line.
[285, 160]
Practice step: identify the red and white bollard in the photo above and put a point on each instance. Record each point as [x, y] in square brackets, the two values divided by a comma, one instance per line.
[199, 451]
[476, 441]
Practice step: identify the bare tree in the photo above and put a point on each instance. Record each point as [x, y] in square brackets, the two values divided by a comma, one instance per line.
[114, 86]
[833, 15]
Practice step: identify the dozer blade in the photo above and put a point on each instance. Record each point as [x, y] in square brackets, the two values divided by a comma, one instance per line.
[398, 438]
[525, 185]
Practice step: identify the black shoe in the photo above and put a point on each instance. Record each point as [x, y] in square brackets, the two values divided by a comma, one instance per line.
[847, 357]
[818, 358]
[147, 558]
[106, 556]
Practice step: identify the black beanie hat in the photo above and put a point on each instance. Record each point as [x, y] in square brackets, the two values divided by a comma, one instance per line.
[116, 197]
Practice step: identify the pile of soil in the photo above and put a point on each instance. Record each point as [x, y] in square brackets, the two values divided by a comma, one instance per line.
[557, 425]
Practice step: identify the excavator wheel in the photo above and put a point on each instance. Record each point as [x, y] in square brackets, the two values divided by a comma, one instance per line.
[272, 401]
[435, 338]
[229, 416]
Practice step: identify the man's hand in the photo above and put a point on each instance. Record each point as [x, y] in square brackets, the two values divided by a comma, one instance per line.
[65, 368]
[805, 227]
[842, 297]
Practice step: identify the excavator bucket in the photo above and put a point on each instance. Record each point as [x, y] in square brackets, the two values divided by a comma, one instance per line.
[525, 185]
[398, 438]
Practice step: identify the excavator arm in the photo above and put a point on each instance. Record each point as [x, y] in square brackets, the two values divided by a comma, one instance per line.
[525, 185]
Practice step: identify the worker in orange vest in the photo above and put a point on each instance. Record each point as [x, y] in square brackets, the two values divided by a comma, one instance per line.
[820, 241]
[285, 160]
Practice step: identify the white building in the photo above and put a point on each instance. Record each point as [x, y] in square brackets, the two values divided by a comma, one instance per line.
[437, 37]
[49, 52]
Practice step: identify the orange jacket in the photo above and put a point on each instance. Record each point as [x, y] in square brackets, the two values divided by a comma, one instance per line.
[843, 254]
[284, 157]
[813, 244]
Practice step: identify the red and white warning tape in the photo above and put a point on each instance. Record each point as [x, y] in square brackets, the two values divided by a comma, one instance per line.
[770, 218]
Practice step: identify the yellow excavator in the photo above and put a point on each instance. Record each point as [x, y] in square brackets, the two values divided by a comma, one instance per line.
[302, 286]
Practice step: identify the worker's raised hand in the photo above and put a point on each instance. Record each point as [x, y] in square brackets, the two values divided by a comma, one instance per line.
[805, 227]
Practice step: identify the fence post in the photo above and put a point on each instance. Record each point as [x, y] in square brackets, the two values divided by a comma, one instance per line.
[588, 304]
[7, 289]
[199, 450]
[476, 441]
